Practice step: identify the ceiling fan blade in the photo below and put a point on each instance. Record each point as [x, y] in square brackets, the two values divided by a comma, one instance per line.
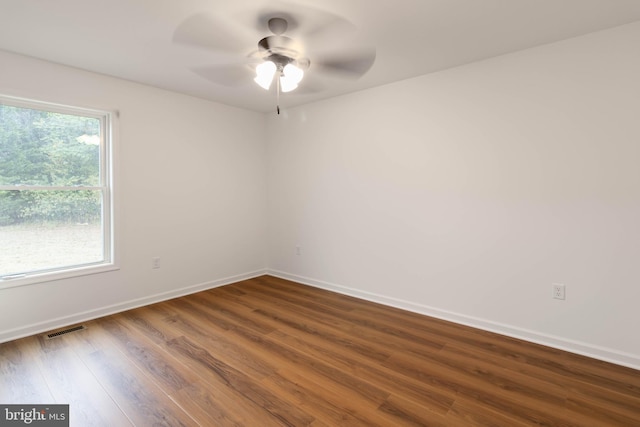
[208, 31]
[334, 30]
[231, 75]
[347, 64]
[309, 87]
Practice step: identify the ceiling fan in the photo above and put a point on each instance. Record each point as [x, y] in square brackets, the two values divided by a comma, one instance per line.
[304, 44]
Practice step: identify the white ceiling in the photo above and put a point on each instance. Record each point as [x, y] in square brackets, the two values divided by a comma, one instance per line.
[135, 39]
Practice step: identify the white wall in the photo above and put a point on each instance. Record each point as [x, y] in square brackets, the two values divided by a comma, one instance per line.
[190, 190]
[465, 194]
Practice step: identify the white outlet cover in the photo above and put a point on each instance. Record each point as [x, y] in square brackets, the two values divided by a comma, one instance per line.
[559, 291]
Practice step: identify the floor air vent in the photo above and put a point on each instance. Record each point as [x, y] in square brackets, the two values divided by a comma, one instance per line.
[65, 331]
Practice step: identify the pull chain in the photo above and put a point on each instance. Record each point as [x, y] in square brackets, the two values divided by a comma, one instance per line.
[278, 94]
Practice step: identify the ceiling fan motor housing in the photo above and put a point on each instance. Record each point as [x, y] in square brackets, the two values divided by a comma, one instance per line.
[282, 50]
[277, 25]
[278, 44]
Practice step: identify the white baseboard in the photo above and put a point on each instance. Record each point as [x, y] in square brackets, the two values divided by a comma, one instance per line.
[585, 349]
[38, 328]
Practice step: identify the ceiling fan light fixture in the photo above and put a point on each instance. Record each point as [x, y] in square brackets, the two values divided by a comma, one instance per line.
[291, 76]
[293, 73]
[265, 73]
[287, 85]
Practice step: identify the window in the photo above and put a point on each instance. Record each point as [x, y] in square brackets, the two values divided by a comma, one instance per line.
[55, 192]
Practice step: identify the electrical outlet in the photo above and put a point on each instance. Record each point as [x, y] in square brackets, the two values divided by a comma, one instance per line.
[298, 250]
[558, 291]
[155, 262]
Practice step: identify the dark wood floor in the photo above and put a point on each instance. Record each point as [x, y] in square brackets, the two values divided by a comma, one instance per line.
[268, 352]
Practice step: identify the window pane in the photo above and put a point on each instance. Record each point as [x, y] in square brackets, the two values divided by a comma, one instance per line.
[46, 148]
[55, 198]
[42, 230]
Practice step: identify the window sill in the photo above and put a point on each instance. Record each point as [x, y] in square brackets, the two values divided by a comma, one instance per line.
[36, 278]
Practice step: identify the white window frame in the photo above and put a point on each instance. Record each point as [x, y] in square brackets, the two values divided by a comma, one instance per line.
[108, 127]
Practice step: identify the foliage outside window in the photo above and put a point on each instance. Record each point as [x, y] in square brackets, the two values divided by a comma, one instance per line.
[55, 195]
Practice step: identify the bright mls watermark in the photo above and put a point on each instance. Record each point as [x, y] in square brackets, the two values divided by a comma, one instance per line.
[34, 415]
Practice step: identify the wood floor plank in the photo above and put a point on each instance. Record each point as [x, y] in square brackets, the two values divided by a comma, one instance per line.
[371, 342]
[234, 312]
[610, 399]
[557, 362]
[242, 384]
[408, 412]
[297, 322]
[212, 400]
[72, 383]
[205, 406]
[287, 354]
[216, 335]
[271, 352]
[522, 400]
[599, 412]
[142, 401]
[20, 379]
[153, 361]
[430, 399]
[289, 291]
[469, 412]
[353, 408]
[313, 399]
